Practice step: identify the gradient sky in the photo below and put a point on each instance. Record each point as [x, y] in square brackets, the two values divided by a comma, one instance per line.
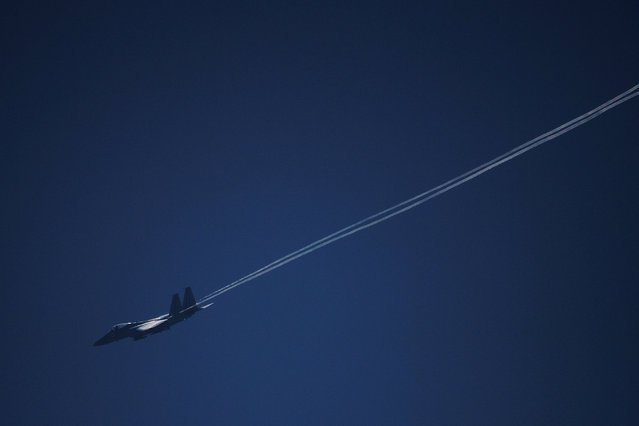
[150, 146]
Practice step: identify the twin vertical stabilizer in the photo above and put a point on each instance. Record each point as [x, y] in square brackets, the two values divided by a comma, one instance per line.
[189, 300]
[177, 307]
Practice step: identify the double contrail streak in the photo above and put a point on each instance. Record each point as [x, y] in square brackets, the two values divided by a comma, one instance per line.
[431, 193]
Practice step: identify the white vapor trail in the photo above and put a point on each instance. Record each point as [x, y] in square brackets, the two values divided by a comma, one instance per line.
[431, 193]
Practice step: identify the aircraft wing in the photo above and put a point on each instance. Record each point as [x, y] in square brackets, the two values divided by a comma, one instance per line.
[150, 324]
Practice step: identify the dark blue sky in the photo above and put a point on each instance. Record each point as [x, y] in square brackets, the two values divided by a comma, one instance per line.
[152, 146]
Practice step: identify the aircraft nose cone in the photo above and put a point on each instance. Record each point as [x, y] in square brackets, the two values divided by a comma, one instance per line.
[102, 341]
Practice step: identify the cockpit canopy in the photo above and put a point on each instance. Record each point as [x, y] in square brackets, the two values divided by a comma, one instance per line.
[119, 326]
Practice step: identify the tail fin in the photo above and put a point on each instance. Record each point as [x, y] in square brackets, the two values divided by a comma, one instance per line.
[189, 300]
[175, 304]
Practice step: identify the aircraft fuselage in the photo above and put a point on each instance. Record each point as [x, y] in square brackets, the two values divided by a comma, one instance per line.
[141, 329]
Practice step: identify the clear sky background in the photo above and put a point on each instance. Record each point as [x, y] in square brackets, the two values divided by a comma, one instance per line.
[148, 146]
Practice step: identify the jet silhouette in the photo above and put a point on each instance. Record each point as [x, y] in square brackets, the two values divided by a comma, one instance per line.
[141, 329]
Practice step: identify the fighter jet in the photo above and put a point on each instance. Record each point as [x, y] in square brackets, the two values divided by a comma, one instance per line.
[141, 329]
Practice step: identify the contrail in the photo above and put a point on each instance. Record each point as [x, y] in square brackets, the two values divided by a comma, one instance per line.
[431, 193]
